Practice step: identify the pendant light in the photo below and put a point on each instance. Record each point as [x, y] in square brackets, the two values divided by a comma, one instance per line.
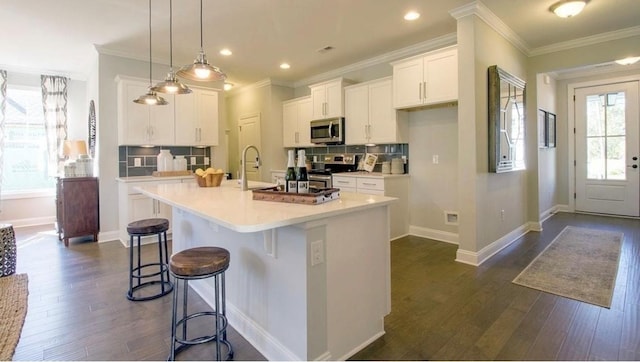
[201, 70]
[171, 84]
[150, 98]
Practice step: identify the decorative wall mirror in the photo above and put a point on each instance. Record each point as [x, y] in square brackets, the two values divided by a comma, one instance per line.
[506, 121]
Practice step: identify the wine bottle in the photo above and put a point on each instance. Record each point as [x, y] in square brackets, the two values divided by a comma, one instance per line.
[301, 175]
[291, 184]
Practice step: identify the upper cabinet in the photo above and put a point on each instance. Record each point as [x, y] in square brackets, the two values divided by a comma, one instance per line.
[327, 98]
[188, 119]
[296, 115]
[426, 79]
[139, 124]
[370, 116]
[196, 118]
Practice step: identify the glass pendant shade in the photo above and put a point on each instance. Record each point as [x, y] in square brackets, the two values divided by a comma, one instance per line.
[201, 70]
[151, 99]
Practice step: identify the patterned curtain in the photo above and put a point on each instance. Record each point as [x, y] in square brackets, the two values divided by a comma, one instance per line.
[54, 103]
[3, 109]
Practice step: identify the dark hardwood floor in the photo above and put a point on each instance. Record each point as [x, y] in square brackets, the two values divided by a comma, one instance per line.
[440, 309]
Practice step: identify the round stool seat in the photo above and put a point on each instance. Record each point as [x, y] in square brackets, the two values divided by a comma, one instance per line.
[199, 261]
[148, 226]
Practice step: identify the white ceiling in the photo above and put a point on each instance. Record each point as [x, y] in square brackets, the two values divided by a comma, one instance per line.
[61, 36]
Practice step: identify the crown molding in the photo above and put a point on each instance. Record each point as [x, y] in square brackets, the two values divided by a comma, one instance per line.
[591, 70]
[586, 41]
[117, 53]
[480, 10]
[425, 46]
[81, 76]
[262, 83]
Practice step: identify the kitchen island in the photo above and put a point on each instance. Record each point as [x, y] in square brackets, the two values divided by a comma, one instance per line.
[305, 282]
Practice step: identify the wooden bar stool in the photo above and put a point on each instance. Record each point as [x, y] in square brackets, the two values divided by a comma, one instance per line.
[139, 229]
[192, 264]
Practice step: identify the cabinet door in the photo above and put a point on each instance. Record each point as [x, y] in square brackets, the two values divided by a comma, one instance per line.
[185, 119]
[407, 83]
[382, 116]
[140, 207]
[319, 99]
[356, 101]
[161, 121]
[334, 95]
[290, 124]
[441, 77]
[304, 118]
[208, 121]
[133, 122]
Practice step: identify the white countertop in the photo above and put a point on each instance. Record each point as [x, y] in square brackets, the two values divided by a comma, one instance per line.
[151, 178]
[234, 209]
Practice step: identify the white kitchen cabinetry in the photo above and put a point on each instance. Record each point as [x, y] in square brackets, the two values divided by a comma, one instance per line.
[296, 115]
[140, 124]
[196, 118]
[386, 185]
[327, 98]
[133, 205]
[370, 116]
[426, 79]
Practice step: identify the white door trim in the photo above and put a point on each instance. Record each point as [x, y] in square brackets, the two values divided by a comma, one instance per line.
[571, 124]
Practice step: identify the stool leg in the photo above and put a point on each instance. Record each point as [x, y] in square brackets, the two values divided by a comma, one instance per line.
[166, 254]
[185, 293]
[139, 261]
[223, 308]
[174, 312]
[161, 262]
[130, 294]
[217, 303]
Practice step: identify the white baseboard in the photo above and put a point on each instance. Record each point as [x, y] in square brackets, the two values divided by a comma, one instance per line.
[439, 235]
[19, 223]
[477, 258]
[106, 236]
[563, 208]
[257, 336]
[357, 349]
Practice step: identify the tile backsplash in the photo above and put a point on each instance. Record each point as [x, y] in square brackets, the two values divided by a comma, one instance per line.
[384, 152]
[148, 161]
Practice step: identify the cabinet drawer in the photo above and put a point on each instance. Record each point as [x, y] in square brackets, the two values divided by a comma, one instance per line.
[371, 184]
[341, 182]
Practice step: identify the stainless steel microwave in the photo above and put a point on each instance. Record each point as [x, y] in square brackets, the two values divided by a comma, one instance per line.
[327, 131]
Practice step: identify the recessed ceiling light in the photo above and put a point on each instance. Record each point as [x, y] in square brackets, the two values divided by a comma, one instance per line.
[285, 66]
[411, 15]
[568, 8]
[228, 86]
[225, 51]
[628, 60]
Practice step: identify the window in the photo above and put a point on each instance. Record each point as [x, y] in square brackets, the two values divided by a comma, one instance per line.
[25, 168]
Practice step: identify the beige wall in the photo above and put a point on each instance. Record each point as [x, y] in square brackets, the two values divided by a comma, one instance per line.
[547, 157]
[483, 195]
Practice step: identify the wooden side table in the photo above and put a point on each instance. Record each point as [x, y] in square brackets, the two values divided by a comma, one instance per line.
[77, 208]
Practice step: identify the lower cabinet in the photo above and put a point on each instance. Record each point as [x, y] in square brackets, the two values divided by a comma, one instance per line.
[393, 186]
[133, 205]
[77, 208]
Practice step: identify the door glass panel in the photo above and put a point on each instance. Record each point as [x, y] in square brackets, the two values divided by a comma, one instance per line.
[606, 136]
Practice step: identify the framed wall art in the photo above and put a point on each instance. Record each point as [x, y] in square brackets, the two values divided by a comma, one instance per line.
[551, 130]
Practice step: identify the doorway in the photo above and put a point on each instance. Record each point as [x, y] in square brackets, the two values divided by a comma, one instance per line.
[249, 134]
[606, 144]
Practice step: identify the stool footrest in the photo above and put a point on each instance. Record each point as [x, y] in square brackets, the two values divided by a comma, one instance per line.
[163, 269]
[169, 288]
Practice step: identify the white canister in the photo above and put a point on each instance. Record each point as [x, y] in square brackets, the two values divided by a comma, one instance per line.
[70, 169]
[386, 167]
[179, 163]
[84, 166]
[165, 161]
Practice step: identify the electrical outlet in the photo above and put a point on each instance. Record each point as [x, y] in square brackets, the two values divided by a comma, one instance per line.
[434, 159]
[193, 160]
[501, 215]
[137, 162]
[317, 254]
[206, 161]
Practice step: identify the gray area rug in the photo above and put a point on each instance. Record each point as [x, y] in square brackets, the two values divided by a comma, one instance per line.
[579, 263]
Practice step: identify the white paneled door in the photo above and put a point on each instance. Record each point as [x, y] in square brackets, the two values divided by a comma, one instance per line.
[607, 151]
[249, 133]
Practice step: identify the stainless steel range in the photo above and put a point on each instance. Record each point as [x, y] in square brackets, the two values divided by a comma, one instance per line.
[320, 175]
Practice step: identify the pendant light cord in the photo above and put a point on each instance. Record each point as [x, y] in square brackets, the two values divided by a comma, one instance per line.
[171, 35]
[201, 42]
[150, 85]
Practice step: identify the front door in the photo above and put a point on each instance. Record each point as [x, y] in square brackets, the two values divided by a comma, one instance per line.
[607, 151]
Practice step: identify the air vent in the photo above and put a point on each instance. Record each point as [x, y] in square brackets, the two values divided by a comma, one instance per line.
[325, 49]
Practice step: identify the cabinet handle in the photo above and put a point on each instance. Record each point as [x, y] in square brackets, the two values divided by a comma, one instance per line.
[424, 92]
[199, 134]
[297, 139]
[368, 184]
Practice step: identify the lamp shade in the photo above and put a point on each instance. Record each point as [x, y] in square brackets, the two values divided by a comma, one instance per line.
[73, 148]
[151, 98]
[201, 70]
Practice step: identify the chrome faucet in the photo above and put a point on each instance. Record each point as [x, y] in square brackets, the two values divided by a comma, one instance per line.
[245, 185]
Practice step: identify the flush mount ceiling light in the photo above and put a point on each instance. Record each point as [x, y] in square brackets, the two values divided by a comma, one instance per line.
[568, 8]
[201, 70]
[411, 15]
[628, 60]
[225, 52]
[150, 98]
[228, 86]
[285, 66]
[171, 84]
